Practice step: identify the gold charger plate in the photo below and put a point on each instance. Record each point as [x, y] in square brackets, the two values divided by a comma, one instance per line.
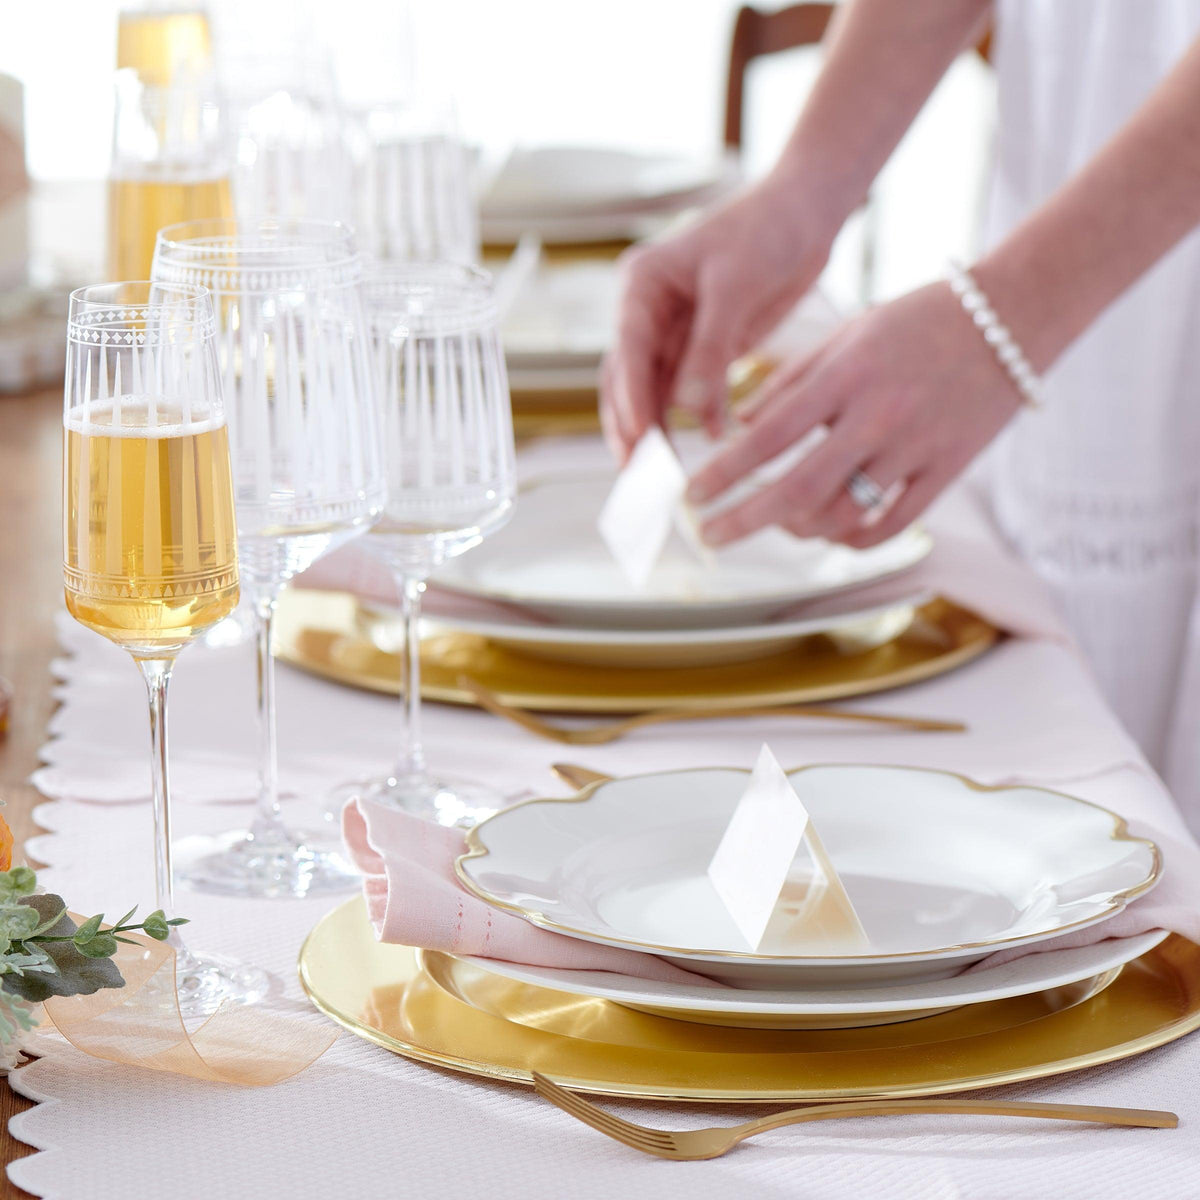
[323, 632]
[450, 1014]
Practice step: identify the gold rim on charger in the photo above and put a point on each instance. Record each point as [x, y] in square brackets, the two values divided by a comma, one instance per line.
[325, 633]
[436, 1009]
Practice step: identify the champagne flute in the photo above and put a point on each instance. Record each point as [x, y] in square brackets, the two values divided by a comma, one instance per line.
[164, 41]
[307, 469]
[170, 163]
[149, 541]
[451, 475]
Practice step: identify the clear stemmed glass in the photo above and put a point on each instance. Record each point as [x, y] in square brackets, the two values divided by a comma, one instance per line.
[170, 163]
[307, 471]
[451, 475]
[289, 133]
[149, 540]
[413, 191]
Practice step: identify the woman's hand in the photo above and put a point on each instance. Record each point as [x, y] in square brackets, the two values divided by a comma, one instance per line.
[909, 392]
[693, 304]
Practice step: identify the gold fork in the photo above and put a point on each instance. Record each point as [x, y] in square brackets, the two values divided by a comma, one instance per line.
[691, 1144]
[602, 732]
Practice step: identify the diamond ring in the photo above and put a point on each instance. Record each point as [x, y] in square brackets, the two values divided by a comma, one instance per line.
[864, 491]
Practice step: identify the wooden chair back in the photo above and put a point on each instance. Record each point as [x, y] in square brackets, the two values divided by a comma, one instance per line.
[756, 34]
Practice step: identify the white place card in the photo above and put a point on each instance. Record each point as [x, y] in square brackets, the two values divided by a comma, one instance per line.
[774, 876]
[645, 503]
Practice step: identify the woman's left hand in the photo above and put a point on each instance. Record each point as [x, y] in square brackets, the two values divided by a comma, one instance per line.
[909, 392]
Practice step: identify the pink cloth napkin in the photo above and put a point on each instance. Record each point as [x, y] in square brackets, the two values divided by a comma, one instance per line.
[1173, 905]
[414, 898]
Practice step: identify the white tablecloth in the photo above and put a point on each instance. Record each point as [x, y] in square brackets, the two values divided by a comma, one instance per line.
[363, 1123]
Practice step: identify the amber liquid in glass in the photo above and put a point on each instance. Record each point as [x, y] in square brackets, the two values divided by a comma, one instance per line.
[150, 544]
[139, 207]
[164, 45]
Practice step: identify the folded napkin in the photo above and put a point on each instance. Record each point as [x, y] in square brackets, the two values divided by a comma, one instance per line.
[1174, 904]
[414, 899]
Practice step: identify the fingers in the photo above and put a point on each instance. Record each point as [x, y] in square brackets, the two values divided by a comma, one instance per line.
[806, 489]
[784, 418]
[843, 516]
[614, 436]
[700, 381]
[918, 494]
[631, 393]
[786, 375]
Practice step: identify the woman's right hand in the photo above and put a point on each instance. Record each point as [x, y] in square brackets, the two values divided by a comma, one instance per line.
[692, 304]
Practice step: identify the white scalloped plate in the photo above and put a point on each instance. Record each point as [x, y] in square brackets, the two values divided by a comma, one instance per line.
[942, 871]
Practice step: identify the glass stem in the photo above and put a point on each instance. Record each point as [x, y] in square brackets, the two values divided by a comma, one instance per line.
[412, 756]
[157, 674]
[267, 823]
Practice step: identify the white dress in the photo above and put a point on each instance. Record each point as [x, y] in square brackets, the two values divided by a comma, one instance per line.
[1100, 489]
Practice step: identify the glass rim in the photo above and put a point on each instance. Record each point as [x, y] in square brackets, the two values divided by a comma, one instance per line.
[264, 252]
[462, 294]
[81, 300]
[231, 233]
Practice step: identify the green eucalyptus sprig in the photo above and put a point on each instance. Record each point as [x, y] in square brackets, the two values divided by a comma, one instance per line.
[43, 953]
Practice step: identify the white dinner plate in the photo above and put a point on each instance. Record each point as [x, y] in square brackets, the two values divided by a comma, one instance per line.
[550, 559]
[941, 870]
[854, 632]
[564, 180]
[593, 194]
[832, 1007]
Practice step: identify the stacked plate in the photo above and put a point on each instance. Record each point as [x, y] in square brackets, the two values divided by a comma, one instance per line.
[582, 194]
[942, 872]
[945, 874]
[777, 620]
[554, 589]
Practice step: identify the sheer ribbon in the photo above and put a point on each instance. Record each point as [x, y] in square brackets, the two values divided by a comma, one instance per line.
[141, 1025]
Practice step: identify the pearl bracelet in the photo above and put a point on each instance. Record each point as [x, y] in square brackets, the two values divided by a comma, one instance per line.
[995, 333]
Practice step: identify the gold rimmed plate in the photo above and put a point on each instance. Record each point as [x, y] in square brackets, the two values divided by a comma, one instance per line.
[504, 1030]
[942, 870]
[325, 633]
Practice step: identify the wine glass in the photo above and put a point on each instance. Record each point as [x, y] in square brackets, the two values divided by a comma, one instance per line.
[412, 184]
[291, 160]
[170, 163]
[451, 475]
[149, 538]
[307, 472]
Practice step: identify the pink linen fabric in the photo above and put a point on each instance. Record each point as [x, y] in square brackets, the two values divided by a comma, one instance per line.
[1174, 904]
[414, 898]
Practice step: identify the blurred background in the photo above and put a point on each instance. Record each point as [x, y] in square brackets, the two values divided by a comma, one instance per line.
[641, 76]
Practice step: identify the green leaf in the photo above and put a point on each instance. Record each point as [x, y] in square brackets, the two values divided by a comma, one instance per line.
[88, 930]
[75, 974]
[103, 945]
[18, 921]
[49, 922]
[17, 882]
[126, 917]
[179, 921]
[155, 926]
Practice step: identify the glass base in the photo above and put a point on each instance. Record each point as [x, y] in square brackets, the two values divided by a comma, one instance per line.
[205, 981]
[447, 801]
[246, 863]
